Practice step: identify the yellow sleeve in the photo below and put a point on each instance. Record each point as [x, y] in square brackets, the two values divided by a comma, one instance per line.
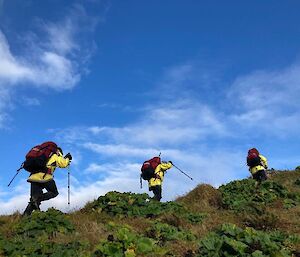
[58, 161]
[163, 167]
[264, 161]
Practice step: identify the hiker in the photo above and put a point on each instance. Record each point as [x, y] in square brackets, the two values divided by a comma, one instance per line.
[43, 179]
[257, 165]
[155, 183]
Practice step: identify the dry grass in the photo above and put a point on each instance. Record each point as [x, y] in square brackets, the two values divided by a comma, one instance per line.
[203, 198]
[90, 226]
[7, 223]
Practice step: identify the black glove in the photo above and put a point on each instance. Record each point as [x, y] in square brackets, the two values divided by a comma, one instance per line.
[171, 162]
[69, 156]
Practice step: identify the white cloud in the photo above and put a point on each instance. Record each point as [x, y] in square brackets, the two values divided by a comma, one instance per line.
[44, 67]
[29, 101]
[268, 98]
[118, 149]
[11, 69]
[173, 124]
[55, 58]
[61, 37]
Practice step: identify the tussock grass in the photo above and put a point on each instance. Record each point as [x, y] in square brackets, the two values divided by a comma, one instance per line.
[203, 198]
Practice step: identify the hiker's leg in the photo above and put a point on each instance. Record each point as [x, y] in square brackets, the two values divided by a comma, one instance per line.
[264, 175]
[29, 209]
[255, 176]
[35, 192]
[261, 176]
[52, 192]
[157, 192]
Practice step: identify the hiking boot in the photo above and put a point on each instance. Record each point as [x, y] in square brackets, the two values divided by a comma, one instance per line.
[35, 203]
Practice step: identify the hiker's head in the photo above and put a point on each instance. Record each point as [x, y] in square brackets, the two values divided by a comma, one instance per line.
[253, 150]
[59, 151]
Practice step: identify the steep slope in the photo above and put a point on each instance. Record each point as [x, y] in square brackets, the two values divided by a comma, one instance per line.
[238, 219]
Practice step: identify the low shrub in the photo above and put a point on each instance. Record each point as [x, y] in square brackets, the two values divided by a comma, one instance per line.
[164, 232]
[241, 194]
[231, 240]
[50, 222]
[35, 248]
[265, 221]
[126, 243]
[297, 181]
[140, 205]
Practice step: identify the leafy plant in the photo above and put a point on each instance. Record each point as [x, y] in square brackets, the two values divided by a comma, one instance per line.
[50, 222]
[164, 232]
[127, 243]
[231, 240]
[32, 236]
[297, 182]
[244, 194]
[140, 205]
[32, 247]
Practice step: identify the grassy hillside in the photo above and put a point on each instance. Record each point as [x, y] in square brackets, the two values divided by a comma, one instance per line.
[238, 219]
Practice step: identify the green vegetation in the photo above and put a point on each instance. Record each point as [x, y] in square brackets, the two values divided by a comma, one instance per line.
[164, 232]
[32, 236]
[126, 242]
[231, 240]
[140, 205]
[246, 195]
[238, 219]
[240, 194]
[44, 223]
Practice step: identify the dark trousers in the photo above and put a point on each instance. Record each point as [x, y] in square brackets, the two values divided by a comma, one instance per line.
[260, 176]
[157, 192]
[37, 195]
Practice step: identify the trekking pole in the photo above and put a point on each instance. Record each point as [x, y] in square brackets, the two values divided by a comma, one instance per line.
[18, 171]
[183, 172]
[69, 186]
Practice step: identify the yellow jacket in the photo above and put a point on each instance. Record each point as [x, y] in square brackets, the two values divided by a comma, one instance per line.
[56, 160]
[263, 166]
[160, 171]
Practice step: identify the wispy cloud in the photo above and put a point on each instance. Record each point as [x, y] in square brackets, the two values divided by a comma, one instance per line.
[54, 57]
[29, 101]
[268, 98]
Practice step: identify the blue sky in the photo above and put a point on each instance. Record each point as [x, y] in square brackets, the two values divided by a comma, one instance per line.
[117, 82]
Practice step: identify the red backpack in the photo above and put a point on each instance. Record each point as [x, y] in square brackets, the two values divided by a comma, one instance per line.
[148, 168]
[253, 158]
[38, 156]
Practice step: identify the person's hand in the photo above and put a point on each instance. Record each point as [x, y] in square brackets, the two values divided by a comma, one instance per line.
[69, 156]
